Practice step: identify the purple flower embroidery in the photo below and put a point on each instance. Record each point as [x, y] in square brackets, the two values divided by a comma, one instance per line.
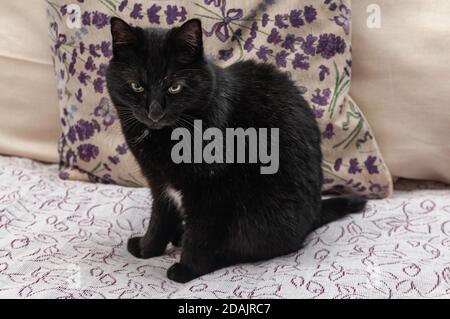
[86, 129]
[86, 18]
[79, 95]
[263, 52]
[106, 49]
[71, 157]
[289, 42]
[308, 44]
[73, 62]
[123, 5]
[64, 175]
[136, 13]
[348, 67]
[114, 159]
[99, 19]
[93, 50]
[98, 85]
[280, 58]
[173, 14]
[254, 30]
[90, 65]
[295, 18]
[248, 45]
[279, 21]
[152, 14]
[225, 55]
[274, 37]
[318, 113]
[82, 47]
[300, 62]
[106, 179]
[221, 29]
[354, 167]
[371, 166]
[265, 19]
[63, 9]
[72, 134]
[102, 69]
[82, 130]
[310, 14]
[62, 39]
[236, 35]
[83, 78]
[329, 45]
[343, 19]
[329, 131]
[87, 152]
[324, 71]
[337, 164]
[216, 3]
[93, 178]
[321, 99]
[122, 149]
[104, 111]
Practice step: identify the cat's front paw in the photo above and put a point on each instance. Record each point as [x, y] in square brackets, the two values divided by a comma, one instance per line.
[135, 248]
[180, 273]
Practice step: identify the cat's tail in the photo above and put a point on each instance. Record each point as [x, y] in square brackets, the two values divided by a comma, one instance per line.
[337, 207]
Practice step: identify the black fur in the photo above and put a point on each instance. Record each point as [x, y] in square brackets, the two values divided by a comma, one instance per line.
[231, 213]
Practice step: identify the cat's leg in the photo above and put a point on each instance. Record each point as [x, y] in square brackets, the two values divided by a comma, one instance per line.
[163, 227]
[178, 236]
[201, 252]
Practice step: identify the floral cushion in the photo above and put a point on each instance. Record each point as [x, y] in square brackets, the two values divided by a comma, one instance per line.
[309, 39]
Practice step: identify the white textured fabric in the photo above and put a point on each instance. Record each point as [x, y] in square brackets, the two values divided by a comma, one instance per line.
[67, 239]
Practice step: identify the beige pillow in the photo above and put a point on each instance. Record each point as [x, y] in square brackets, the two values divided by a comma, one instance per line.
[29, 115]
[401, 81]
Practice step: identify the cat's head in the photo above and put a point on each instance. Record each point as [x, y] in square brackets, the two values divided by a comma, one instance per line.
[158, 76]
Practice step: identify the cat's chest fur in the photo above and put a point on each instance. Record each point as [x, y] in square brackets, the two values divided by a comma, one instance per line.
[175, 196]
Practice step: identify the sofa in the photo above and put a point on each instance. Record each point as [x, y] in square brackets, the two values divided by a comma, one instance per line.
[67, 239]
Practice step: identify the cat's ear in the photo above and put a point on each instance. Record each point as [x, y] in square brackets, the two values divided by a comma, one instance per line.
[122, 33]
[188, 40]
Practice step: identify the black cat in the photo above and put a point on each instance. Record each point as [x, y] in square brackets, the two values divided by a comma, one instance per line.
[222, 214]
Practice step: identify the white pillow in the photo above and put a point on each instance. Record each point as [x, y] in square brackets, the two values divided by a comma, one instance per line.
[401, 81]
[29, 116]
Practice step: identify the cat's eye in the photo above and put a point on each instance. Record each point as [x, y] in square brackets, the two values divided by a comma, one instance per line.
[175, 89]
[136, 87]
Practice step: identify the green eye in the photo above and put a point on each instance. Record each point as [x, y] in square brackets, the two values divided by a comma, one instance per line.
[175, 89]
[136, 87]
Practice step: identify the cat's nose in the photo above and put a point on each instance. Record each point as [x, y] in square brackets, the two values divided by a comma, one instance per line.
[155, 111]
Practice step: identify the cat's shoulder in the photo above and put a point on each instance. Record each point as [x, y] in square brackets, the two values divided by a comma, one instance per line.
[252, 65]
[266, 72]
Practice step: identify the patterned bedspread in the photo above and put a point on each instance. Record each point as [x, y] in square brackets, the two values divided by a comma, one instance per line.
[63, 239]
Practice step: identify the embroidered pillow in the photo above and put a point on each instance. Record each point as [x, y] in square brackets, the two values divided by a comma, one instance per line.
[309, 39]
